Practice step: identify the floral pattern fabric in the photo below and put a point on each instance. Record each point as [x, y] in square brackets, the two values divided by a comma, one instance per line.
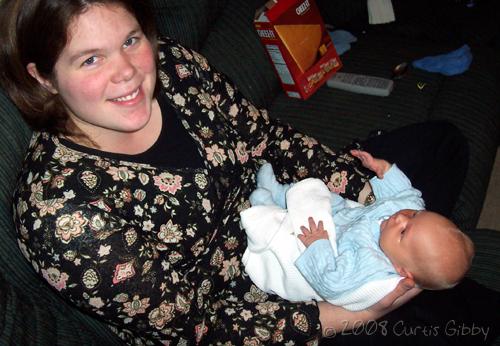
[156, 251]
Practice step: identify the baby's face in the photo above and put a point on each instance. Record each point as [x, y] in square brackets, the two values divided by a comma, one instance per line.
[406, 232]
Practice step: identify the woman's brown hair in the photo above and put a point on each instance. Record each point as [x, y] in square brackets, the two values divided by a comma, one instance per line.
[36, 31]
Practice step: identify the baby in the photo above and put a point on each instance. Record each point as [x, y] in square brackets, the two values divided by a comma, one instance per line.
[355, 254]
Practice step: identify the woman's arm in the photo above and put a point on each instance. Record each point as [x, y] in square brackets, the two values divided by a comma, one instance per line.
[335, 319]
[111, 268]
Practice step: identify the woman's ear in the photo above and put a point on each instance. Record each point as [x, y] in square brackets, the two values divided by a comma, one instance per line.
[47, 84]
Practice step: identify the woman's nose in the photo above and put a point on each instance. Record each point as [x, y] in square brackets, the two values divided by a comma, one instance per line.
[124, 69]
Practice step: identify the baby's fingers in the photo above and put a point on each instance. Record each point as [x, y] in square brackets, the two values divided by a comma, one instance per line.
[305, 230]
[303, 239]
[320, 226]
[357, 153]
[312, 224]
[364, 156]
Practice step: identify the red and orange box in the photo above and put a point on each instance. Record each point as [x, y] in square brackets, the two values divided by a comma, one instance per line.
[297, 43]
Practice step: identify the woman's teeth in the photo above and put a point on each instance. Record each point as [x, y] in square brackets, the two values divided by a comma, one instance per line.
[128, 97]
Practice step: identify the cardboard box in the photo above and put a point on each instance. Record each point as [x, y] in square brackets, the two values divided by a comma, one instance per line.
[297, 43]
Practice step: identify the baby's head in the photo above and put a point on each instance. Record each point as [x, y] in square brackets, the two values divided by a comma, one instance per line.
[426, 247]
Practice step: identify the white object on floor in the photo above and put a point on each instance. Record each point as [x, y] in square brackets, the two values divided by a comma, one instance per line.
[361, 84]
[380, 12]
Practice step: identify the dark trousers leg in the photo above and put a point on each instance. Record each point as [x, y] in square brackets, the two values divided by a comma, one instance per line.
[467, 315]
[434, 155]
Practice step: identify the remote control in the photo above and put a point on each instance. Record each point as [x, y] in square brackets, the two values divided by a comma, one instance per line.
[361, 84]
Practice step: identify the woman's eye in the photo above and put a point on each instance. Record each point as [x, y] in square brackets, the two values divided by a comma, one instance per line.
[130, 41]
[90, 61]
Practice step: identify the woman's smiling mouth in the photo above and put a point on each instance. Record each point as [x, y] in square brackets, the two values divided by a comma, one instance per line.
[128, 97]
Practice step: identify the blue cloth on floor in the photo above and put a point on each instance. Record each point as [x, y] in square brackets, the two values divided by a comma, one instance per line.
[449, 64]
[342, 40]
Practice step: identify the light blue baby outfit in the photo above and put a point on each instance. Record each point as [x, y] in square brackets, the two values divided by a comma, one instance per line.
[360, 259]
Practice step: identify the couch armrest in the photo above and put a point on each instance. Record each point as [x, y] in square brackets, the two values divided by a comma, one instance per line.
[486, 262]
[39, 320]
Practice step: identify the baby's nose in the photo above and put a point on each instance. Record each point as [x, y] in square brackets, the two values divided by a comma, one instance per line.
[400, 217]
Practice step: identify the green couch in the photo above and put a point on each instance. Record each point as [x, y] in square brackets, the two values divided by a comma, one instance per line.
[32, 314]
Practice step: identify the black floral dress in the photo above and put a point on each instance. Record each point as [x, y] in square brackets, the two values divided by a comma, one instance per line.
[156, 251]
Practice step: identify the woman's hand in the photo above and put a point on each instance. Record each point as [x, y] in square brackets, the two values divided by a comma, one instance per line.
[335, 319]
[404, 291]
[313, 233]
[378, 166]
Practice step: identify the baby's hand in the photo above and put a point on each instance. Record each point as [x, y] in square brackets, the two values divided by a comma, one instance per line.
[378, 166]
[313, 233]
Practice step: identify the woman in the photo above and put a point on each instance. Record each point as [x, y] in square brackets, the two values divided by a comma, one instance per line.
[129, 199]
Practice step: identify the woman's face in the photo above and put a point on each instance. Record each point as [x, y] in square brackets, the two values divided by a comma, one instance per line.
[106, 73]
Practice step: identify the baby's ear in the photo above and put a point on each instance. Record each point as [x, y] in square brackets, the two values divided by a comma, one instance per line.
[404, 272]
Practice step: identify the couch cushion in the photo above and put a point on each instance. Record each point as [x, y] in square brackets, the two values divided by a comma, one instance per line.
[340, 13]
[447, 20]
[234, 48]
[29, 319]
[14, 137]
[185, 20]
